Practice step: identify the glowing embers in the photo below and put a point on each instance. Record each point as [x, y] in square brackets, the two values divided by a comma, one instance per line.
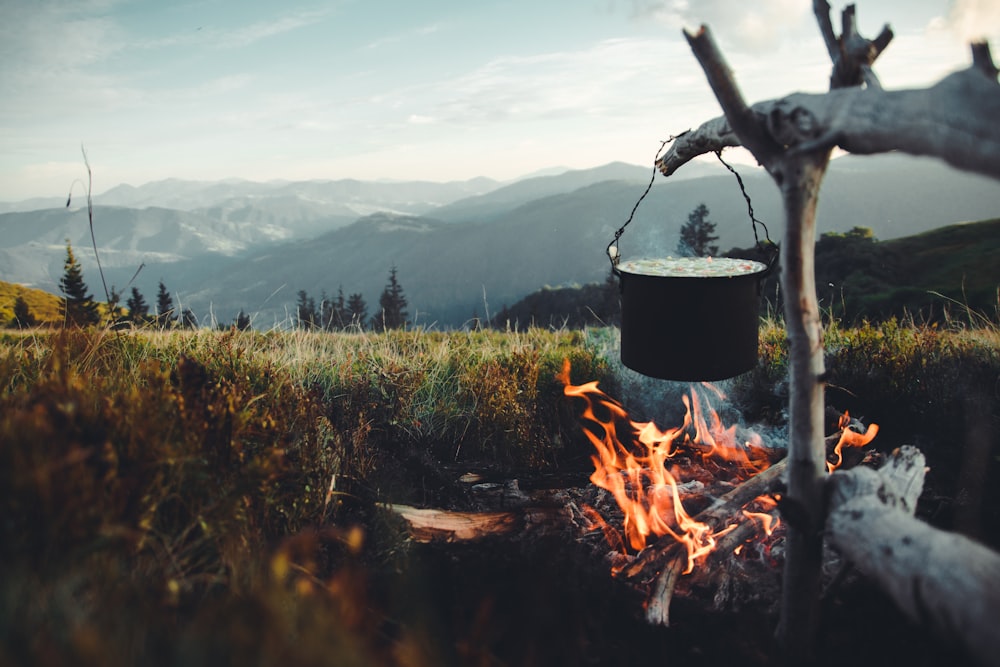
[648, 470]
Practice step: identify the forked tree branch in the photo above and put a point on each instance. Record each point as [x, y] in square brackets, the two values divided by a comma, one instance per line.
[955, 120]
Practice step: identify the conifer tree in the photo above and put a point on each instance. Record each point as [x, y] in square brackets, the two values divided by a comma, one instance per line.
[116, 312]
[305, 311]
[392, 305]
[242, 321]
[698, 235]
[23, 318]
[138, 309]
[331, 311]
[339, 317]
[80, 307]
[188, 319]
[165, 316]
[357, 311]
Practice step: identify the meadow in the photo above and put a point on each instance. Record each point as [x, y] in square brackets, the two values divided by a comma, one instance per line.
[205, 497]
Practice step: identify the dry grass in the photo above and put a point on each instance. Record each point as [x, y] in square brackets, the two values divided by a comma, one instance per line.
[189, 497]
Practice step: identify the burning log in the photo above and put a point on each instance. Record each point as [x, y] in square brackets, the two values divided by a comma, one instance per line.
[663, 558]
[942, 580]
[434, 525]
[669, 560]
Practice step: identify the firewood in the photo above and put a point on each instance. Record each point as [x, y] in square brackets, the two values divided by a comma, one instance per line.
[941, 580]
[430, 525]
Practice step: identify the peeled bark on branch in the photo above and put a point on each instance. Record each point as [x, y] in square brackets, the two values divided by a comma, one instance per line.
[943, 581]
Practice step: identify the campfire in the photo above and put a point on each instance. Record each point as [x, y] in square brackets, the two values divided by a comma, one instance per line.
[652, 472]
[694, 497]
[696, 505]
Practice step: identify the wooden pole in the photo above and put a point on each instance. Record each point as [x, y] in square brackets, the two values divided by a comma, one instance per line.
[800, 178]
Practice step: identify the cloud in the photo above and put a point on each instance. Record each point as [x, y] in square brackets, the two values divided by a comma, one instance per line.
[237, 37]
[609, 79]
[419, 31]
[754, 27]
[249, 34]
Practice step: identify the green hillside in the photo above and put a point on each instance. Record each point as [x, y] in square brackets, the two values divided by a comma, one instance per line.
[927, 275]
[940, 274]
[44, 307]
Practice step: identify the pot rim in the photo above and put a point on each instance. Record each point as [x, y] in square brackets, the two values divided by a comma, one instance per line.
[759, 268]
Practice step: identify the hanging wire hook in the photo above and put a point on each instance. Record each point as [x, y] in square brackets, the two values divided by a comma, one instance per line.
[769, 247]
[753, 220]
[612, 250]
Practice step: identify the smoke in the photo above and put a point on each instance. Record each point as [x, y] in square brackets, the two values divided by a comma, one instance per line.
[970, 20]
[661, 401]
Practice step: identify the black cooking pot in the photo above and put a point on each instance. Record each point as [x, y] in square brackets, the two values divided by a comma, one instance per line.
[692, 319]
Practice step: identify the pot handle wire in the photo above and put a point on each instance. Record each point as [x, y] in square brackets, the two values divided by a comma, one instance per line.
[613, 251]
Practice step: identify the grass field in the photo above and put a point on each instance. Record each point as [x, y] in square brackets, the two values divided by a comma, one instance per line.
[196, 497]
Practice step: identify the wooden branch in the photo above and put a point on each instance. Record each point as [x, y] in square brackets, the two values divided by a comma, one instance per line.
[941, 580]
[740, 117]
[821, 8]
[853, 64]
[954, 120]
[436, 525]
[655, 557]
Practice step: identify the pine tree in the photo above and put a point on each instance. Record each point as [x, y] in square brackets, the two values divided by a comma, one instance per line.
[165, 316]
[339, 316]
[242, 321]
[188, 319]
[331, 311]
[23, 318]
[80, 307]
[305, 311]
[392, 304]
[697, 235]
[357, 311]
[138, 309]
[116, 314]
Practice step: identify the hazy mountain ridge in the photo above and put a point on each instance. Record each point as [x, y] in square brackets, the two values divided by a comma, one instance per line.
[254, 251]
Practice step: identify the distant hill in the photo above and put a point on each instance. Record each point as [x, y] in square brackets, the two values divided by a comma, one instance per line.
[927, 276]
[461, 249]
[947, 272]
[44, 307]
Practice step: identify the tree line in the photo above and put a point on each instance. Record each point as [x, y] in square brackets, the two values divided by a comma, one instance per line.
[340, 314]
[80, 309]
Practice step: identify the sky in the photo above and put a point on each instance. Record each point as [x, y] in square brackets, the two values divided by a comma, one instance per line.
[434, 90]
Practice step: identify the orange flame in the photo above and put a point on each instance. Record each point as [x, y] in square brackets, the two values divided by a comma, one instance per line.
[849, 438]
[767, 522]
[638, 477]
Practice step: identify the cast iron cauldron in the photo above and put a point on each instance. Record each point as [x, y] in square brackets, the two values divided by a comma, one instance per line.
[690, 319]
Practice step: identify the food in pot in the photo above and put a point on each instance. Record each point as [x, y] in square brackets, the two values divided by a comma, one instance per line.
[692, 267]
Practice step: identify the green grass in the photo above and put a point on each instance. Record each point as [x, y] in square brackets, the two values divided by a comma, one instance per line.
[188, 497]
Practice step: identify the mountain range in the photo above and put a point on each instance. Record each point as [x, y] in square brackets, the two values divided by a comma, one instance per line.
[461, 249]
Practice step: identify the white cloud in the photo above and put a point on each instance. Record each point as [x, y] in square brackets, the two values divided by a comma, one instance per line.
[419, 31]
[754, 27]
[613, 78]
[254, 32]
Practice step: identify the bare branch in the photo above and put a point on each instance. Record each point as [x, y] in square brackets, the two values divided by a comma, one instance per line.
[741, 118]
[856, 54]
[821, 8]
[982, 60]
[954, 120]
